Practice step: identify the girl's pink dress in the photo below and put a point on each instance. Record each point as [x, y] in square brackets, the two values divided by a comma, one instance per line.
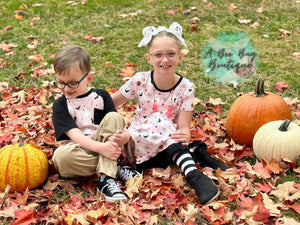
[156, 112]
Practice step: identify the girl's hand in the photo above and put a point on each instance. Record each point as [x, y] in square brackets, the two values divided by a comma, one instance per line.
[182, 137]
[121, 137]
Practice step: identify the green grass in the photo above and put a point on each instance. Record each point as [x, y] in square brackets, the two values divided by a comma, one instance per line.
[62, 22]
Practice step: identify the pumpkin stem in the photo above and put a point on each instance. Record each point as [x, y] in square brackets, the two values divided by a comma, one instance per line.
[259, 88]
[285, 124]
[21, 140]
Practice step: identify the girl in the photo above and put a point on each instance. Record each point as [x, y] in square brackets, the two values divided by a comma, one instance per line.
[161, 127]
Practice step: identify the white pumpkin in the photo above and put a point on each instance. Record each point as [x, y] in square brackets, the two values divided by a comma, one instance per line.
[278, 140]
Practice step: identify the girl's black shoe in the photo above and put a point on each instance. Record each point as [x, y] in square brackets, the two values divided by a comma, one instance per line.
[204, 187]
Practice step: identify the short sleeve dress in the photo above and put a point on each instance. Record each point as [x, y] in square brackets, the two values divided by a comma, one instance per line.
[156, 112]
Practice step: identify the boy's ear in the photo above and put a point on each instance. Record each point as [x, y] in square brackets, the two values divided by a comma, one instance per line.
[90, 77]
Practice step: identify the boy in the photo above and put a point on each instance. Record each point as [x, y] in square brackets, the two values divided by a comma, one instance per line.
[87, 117]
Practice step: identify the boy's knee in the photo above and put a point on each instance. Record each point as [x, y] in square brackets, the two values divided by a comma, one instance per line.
[112, 117]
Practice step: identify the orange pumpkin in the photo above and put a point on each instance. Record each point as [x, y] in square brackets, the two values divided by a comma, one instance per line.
[22, 166]
[252, 110]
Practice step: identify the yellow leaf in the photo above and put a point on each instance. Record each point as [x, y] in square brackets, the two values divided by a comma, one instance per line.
[133, 185]
[127, 72]
[18, 17]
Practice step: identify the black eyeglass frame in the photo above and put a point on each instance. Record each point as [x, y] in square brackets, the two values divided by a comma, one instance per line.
[56, 84]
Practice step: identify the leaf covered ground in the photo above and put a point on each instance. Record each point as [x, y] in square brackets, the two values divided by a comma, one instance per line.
[252, 191]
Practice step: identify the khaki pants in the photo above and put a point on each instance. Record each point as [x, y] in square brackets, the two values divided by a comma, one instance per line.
[72, 160]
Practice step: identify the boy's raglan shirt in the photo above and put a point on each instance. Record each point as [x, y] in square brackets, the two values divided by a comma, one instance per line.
[84, 112]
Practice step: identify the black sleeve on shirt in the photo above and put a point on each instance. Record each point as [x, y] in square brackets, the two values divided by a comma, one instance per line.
[61, 119]
[108, 106]
[63, 122]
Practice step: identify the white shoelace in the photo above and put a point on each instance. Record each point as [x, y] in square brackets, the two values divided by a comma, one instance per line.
[125, 174]
[113, 187]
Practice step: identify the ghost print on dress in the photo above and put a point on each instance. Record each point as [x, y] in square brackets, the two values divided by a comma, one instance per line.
[156, 112]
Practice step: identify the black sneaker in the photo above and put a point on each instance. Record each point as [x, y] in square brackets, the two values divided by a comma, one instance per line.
[203, 185]
[125, 172]
[111, 190]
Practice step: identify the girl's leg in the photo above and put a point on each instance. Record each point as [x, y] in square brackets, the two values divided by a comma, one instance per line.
[204, 187]
[199, 154]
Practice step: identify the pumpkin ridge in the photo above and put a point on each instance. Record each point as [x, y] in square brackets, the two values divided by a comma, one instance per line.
[27, 182]
[8, 164]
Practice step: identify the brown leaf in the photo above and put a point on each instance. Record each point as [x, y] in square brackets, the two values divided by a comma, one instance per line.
[226, 188]
[94, 215]
[273, 166]
[286, 191]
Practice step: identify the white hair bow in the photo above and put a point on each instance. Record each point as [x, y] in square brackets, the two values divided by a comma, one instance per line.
[151, 31]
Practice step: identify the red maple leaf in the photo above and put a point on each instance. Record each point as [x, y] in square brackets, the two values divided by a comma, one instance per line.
[295, 207]
[261, 170]
[280, 85]
[24, 217]
[21, 198]
[262, 214]
[263, 187]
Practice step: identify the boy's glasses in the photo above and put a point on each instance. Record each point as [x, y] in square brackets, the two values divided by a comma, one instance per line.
[70, 84]
[161, 55]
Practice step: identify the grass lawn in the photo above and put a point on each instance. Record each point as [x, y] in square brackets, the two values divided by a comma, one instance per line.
[31, 32]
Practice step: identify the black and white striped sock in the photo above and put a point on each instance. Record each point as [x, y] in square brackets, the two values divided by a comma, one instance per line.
[185, 161]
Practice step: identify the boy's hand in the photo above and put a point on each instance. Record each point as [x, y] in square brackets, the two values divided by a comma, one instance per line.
[121, 137]
[111, 150]
[180, 136]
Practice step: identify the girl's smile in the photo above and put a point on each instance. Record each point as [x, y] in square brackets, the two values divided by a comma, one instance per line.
[164, 55]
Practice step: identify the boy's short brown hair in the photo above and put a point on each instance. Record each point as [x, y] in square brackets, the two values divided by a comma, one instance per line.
[70, 56]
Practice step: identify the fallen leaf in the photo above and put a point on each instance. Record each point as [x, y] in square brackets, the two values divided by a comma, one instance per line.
[295, 207]
[255, 25]
[260, 10]
[284, 33]
[296, 54]
[280, 85]
[127, 72]
[263, 187]
[273, 166]
[209, 4]
[18, 17]
[232, 7]
[7, 27]
[244, 21]
[24, 217]
[261, 171]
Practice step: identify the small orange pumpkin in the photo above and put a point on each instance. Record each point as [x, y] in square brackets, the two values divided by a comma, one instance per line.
[252, 110]
[22, 166]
